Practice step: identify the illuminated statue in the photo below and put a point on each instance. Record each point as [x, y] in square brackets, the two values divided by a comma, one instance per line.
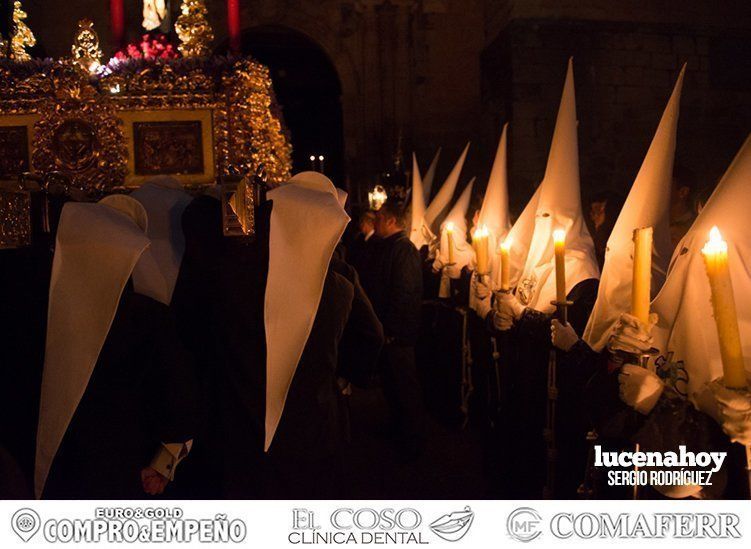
[193, 29]
[22, 37]
[86, 51]
[154, 12]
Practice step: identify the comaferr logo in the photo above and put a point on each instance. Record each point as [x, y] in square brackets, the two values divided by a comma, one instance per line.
[524, 524]
[657, 525]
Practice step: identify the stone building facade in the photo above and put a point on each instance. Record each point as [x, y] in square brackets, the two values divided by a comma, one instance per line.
[443, 72]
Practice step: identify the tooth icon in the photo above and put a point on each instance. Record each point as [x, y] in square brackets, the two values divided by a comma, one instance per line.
[454, 526]
[25, 523]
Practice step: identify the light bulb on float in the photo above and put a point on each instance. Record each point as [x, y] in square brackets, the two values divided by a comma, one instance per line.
[376, 197]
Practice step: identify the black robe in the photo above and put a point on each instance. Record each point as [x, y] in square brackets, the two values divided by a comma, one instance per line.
[525, 352]
[220, 302]
[140, 394]
[24, 287]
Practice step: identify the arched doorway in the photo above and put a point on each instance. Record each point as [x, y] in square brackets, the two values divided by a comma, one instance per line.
[308, 89]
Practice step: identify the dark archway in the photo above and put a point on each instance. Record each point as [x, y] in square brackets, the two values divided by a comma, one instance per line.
[308, 89]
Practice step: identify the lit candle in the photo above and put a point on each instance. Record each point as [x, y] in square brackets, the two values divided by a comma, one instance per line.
[480, 241]
[505, 265]
[320, 159]
[715, 254]
[642, 274]
[559, 239]
[312, 162]
[450, 240]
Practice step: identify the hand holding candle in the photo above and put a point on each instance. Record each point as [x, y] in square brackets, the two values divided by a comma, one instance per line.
[715, 254]
[559, 239]
[642, 274]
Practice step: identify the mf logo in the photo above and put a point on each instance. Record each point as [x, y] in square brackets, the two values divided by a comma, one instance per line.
[524, 524]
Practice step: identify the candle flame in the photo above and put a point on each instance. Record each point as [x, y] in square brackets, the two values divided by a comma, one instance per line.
[715, 244]
[559, 236]
[506, 244]
[481, 231]
[450, 226]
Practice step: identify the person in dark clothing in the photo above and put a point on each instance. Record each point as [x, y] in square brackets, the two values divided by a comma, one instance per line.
[360, 251]
[139, 395]
[220, 298]
[363, 335]
[523, 414]
[396, 293]
[117, 406]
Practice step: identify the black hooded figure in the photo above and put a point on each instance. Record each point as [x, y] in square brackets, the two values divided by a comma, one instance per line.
[117, 404]
[221, 303]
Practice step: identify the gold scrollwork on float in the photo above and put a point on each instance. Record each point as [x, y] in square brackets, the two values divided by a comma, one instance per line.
[79, 134]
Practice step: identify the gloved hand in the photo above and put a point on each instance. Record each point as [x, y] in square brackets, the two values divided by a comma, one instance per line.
[509, 305]
[735, 411]
[639, 388]
[631, 335]
[562, 336]
[480, 296]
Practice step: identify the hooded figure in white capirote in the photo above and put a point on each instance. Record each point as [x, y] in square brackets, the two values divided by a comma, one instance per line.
[279, 309]
[117, 410]
[559, 208]
[438, 208]
[647, 205]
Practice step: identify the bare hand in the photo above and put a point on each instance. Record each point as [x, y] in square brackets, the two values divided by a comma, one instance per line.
[152, 481]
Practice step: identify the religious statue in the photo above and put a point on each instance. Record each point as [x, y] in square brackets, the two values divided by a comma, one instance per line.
[86, 51]
[193, 29]
[22, 36]
[154, 13]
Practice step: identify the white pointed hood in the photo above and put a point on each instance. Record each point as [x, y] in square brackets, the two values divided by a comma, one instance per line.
[96, 249]
[494, 213]
[559, 207]
[434, 214]
[647, 205]
[307, 221]
[463, 252]
[520, 236]
[156, 273]
[416, 233]
[685, 331]
[427, 181]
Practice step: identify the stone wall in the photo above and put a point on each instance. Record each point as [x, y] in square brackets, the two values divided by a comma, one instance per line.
[624, 74]
[442, 72]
